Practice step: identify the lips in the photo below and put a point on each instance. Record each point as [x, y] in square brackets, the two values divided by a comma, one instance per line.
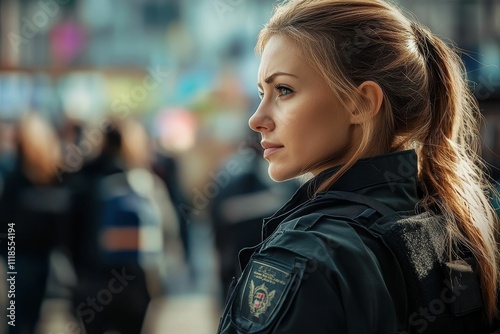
[270, 148]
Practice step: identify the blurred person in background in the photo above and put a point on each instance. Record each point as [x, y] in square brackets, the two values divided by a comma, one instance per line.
[7, 151]
[37, 206]
[244, 199]
[7, 147]
[124, 233]
[165, 166]
[138, 156]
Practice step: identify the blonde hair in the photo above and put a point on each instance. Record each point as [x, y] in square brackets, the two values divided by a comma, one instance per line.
[39, 147]
[427, 106]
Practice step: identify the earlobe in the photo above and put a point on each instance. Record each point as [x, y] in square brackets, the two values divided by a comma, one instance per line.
[371, 95]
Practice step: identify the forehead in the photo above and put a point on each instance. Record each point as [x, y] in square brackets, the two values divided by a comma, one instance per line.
[280, 55]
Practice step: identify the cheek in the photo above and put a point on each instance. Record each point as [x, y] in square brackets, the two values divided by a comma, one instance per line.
[327, 136]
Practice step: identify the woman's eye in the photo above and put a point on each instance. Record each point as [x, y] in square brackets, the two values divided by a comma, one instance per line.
[283, 90]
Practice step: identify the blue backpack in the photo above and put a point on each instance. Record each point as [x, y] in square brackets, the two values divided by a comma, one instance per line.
[129, 223]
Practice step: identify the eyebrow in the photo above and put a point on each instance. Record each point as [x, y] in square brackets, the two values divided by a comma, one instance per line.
[271, 78]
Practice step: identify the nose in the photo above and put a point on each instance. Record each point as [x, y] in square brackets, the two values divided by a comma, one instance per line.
[261, 121]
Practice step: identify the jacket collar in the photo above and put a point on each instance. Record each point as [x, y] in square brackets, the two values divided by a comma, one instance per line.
[389, 178]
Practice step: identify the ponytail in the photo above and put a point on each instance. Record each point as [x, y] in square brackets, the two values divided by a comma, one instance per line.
[451, 174]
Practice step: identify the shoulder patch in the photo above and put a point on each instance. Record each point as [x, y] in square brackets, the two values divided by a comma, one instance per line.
[262, 285]
[265, 287]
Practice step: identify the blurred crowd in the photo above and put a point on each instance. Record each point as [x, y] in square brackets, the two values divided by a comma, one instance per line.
[111, 218]
[110, 232]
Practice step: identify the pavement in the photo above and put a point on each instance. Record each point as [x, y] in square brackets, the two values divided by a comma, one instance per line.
[191, 307]
[183, 314]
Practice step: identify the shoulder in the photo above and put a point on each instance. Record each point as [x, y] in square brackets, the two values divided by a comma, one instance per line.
[323, 238]
[343, 253]
[307, 277]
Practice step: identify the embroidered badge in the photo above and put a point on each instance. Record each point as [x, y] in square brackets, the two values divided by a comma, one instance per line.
[263, 290]
[259, 298]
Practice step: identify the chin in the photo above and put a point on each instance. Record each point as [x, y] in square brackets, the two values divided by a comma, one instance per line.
[280, 175]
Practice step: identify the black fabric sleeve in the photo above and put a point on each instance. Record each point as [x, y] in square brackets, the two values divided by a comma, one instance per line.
[340, 288]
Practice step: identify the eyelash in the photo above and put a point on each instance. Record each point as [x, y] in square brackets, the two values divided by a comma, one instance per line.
[279, 88]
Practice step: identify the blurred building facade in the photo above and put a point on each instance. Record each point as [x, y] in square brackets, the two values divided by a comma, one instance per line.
[87, 59]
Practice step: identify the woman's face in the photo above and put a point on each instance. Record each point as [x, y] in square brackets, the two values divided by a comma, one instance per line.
[301, 123]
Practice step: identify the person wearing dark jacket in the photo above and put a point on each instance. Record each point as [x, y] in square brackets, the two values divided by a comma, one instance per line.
[34, 208]
[394, 232]
[109, 295]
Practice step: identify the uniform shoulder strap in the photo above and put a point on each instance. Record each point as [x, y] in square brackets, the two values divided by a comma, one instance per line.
[357, 207]
[348, 196]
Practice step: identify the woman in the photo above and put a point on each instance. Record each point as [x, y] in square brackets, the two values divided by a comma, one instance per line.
[35, 206]
[373, 106]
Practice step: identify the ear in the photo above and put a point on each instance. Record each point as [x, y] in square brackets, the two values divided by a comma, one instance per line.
[372, 96]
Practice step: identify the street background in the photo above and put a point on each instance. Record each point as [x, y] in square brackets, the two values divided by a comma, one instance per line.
[186, 71]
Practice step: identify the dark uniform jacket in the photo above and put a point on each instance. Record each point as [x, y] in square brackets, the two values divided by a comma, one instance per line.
[315, 273]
